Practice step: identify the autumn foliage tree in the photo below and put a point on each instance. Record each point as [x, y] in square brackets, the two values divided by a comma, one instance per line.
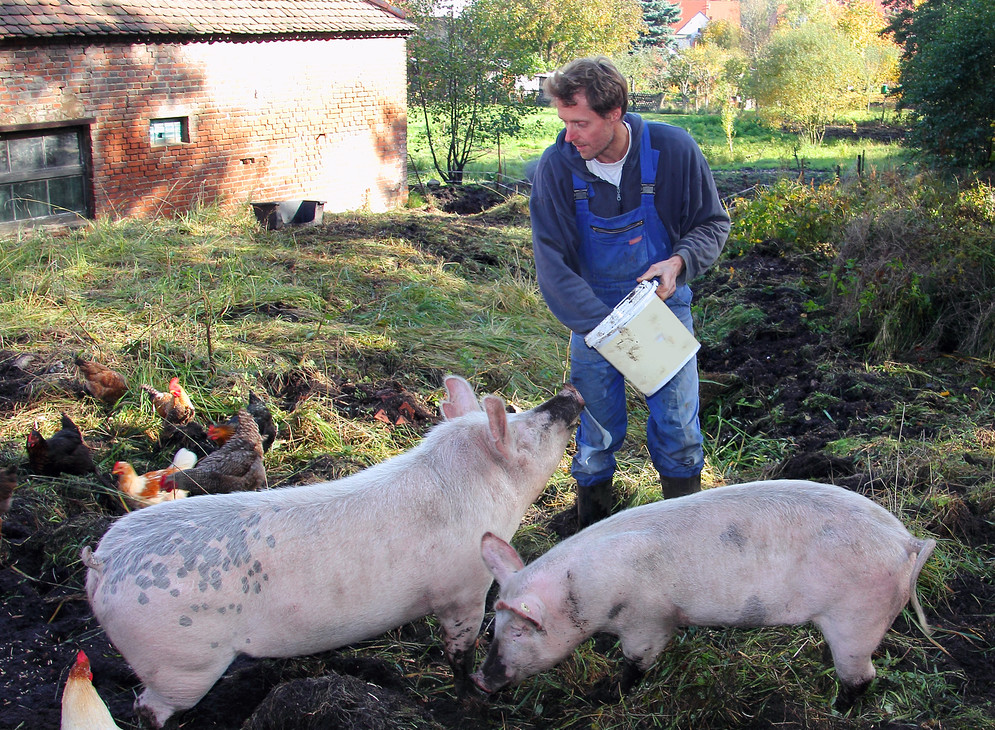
[553, 32]
[862, 23]
[805, 77]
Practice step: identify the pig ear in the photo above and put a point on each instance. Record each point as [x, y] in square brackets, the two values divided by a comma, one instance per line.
[499, 557]
[497, 419]
[460, 398]
[528, 607]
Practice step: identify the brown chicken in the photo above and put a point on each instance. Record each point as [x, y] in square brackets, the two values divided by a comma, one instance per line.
[82, 708]
[174, 405]
[101, 382]
[64, 452]
[141, 490]
[235, 467]
[221, 432]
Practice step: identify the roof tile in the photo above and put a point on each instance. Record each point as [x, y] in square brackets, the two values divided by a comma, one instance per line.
[55, 18]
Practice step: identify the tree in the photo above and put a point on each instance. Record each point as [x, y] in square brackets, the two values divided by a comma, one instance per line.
[659, 15]
[645, 68]
[947, 74]
[724, 40]
[698, 73]
[760, 18]
[553, 32]
[460, 84]
[862, 22]
[806, 76]
[722, 33]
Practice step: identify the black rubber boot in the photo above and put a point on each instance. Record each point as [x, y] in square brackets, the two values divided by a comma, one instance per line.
[674, 487]
[594, 503]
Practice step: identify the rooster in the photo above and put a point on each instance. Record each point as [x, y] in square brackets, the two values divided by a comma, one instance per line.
[141, 490]
[174, 405]
[82, 708]
[235, 467]
[62, 453]
[221, 432]
[101, 382]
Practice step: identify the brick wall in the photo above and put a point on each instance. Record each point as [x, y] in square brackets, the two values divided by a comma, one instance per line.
[315, 119]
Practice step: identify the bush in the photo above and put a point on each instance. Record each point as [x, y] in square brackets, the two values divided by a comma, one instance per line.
[916, 269]
[911, 260]
[791, 216]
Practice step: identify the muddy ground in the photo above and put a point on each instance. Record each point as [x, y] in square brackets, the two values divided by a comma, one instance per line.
[782, 379]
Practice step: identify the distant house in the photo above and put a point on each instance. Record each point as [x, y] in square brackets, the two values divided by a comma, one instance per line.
[113, 108]
[696, 14]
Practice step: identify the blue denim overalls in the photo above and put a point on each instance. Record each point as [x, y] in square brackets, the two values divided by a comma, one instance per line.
[614, 251]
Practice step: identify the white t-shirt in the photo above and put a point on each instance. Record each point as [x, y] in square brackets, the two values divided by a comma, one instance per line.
[611, 171]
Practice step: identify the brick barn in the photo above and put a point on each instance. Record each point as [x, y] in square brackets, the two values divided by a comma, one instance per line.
[112, 108]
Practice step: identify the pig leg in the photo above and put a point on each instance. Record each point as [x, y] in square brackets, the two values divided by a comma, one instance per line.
[640, 648]
[852, 643]
[632, 674]
[168, 692]
[460, 630]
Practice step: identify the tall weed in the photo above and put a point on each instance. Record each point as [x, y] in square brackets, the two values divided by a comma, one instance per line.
[916, 269]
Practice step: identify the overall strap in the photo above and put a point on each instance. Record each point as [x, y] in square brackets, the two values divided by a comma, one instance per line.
[648, 158]
[581, 199]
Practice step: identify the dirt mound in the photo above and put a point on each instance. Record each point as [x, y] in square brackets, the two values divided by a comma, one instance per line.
[466, 199]
[335, 701]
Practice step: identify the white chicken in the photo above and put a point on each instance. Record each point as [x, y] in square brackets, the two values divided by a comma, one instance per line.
[82, 708]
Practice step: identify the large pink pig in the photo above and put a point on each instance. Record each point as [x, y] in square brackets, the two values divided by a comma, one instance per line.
[758, 554]
[183, 587]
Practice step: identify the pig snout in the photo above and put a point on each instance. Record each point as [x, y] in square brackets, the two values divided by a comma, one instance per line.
[565, 406]
[478, 679]
[492, 675]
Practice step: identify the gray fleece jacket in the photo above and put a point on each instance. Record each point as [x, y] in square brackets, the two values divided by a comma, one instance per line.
[686, 200]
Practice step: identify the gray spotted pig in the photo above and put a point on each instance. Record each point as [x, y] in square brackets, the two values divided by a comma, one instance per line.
[182, 588]
[758, 554]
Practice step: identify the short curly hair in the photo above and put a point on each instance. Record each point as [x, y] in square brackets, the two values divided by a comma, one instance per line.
[597, 77]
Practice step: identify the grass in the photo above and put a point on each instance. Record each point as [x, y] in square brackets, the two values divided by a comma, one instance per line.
[754, 146]
[409, 296]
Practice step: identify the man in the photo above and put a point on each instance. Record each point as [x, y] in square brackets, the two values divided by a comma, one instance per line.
[615, 201]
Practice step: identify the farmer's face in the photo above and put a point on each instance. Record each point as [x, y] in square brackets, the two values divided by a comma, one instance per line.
[594, 136]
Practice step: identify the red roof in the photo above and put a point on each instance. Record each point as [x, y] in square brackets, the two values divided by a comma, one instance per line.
[199, 18]
[712, 9]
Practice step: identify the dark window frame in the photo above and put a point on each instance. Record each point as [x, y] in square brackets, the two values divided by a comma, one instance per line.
[84, 169]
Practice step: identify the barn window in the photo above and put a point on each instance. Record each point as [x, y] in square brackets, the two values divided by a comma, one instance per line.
[169, 131]
[43, 174]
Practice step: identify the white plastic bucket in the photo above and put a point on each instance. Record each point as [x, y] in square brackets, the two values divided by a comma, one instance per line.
[643, 339]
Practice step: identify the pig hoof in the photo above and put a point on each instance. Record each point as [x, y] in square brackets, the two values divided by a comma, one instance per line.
[631, 676]
[848, 696]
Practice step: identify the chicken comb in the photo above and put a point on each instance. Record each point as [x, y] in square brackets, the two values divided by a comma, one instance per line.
[82, 666]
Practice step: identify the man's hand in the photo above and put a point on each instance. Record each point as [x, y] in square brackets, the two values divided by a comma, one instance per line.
[666, 272]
